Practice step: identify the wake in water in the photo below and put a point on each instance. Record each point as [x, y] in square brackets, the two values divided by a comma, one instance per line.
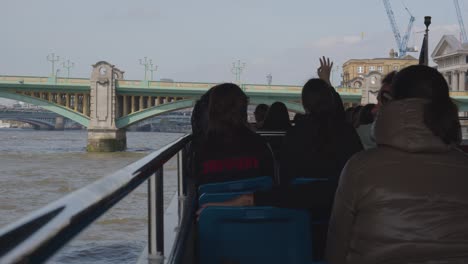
[102, 252]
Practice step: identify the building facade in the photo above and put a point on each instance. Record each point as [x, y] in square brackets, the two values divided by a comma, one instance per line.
[451, 57]
[367, 74]
[355, 71]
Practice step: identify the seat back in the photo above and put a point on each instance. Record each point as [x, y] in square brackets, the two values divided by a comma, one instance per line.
[307, 180]
[248, 235]
[246, 185]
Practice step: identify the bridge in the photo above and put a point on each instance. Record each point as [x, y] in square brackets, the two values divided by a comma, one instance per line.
[38, 118]
[106, 103]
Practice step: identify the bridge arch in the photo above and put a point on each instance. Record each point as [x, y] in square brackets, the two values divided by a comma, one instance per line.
[154, 111]
[181, 104]
[34, 122]
[72, 115]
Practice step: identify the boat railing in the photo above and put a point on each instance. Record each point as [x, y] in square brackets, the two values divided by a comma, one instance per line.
[37, 236]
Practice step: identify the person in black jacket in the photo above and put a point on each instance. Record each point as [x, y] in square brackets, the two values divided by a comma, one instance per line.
[317, 147]
[229, 150]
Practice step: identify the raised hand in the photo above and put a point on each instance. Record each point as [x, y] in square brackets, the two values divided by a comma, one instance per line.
[324, 70]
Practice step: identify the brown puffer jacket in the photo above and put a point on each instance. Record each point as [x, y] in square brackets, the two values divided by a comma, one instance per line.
[405, 201]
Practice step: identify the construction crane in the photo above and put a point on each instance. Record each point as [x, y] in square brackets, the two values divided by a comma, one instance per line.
[401, 42]
[460, 22]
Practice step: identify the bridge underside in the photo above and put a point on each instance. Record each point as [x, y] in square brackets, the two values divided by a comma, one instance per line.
[37, 124]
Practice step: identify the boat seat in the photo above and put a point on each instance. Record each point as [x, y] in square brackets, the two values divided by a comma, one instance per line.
[246, 185]
[248, 235]
[217, 197]
[307, 180]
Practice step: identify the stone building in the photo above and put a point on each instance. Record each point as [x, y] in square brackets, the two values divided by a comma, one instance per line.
[355, 71]
[451, 57]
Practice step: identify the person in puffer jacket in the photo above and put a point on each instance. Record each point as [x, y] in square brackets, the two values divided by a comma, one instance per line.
[406, 201]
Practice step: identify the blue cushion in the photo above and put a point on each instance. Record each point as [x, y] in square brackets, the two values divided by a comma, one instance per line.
[217, 197]
[307, 180]
[254, 235]
[247, 185]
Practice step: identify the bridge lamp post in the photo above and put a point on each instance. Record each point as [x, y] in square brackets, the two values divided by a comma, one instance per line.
[237, 68]
[145, 62]
[68, 65]
[51, 57]
[152, 68]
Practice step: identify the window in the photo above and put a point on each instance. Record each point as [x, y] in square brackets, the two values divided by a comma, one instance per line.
[466, 59]
[371, 68]
[380, 69]
[360, 69]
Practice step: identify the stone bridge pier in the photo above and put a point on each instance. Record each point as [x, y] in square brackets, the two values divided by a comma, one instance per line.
[59, 123]
[103, 135]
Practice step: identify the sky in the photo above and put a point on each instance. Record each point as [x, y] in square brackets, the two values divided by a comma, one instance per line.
[197, 41]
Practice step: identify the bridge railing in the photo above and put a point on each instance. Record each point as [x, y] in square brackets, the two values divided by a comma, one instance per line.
[36, 237]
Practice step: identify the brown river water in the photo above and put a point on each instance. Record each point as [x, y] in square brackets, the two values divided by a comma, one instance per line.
[38, 167]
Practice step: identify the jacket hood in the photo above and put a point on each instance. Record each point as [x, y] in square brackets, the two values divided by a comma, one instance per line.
[400, 124]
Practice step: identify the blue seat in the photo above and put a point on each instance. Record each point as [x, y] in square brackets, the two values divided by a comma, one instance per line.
[217, 197]
[307, 180]
[248, 235]
[247, 185]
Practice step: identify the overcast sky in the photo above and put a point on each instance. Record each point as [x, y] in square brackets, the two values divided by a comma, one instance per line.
[198, 40]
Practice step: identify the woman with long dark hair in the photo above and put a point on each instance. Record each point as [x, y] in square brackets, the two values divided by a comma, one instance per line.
[229, 150]
[406, 200]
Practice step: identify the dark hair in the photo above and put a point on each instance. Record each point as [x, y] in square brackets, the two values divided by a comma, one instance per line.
[385, 95]
[319, 102]
[277, 117]
[199, 119]
[440, 114]
[227, 111]
[260, 112]
[317, 97]
[388, 79]
[365, 114]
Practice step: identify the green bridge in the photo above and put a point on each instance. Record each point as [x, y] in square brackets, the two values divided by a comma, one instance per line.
[106, 103]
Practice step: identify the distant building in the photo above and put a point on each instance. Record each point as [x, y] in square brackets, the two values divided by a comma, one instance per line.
[367, 74]
[451, 57]
[355, 70]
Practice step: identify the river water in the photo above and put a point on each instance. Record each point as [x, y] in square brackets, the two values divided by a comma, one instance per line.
[38, 167]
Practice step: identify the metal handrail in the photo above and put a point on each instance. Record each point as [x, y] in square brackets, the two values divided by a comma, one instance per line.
[40, 234]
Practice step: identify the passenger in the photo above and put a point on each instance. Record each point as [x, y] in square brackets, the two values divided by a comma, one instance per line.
[230, 150]
[260, 114]
[406, 201]
[365, 123]
[199, 122]
[385, 93]
[297, 118]
[277, 118]
[355, 116]
[349, 115]
[320, 145]
[317, 147]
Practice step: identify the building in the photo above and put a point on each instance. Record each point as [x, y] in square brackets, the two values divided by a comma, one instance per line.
[451, 57]
[367, 74]
[355, 71]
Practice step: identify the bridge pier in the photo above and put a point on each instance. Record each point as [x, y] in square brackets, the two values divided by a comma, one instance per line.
[102, 140]
[59, 123]
[103, 135]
